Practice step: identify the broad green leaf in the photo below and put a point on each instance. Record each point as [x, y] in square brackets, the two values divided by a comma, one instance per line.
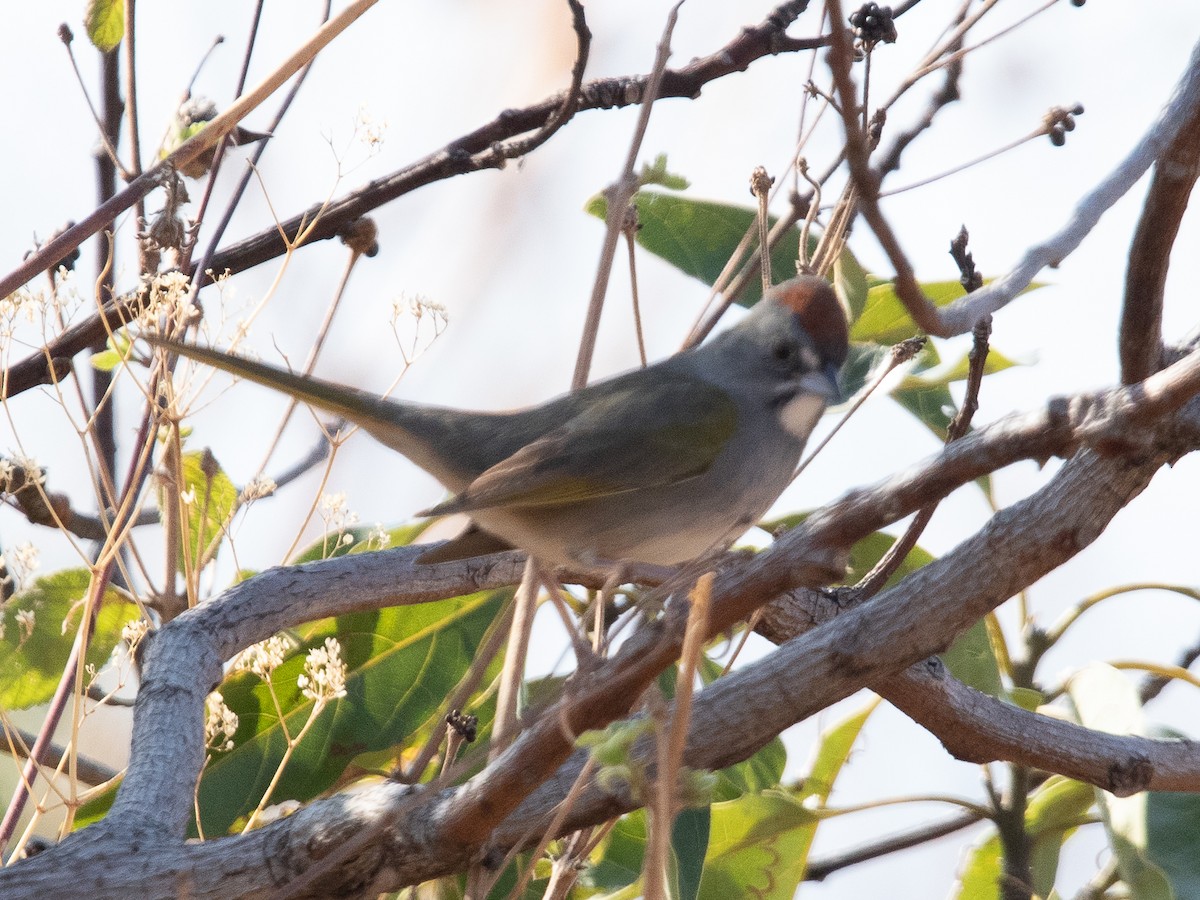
[119, 349]
[758, 847]
[865, 553]
[1173, 839]
[979, 876]
[885, 320]
[852, 283]
[971, 660]
[401, 664]
[39, 626]
[860, 364]
[689, 844]
[104, 21]
[833, 750]
[947, 373]
[622, 857]
[1104, 699]
[97, 807]
[699, 236]
[1055, 810]
[209, 501]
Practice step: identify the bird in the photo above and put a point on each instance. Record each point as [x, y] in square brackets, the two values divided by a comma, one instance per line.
[657, 466]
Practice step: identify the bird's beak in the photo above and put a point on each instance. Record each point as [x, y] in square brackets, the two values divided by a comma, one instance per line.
[823, 384]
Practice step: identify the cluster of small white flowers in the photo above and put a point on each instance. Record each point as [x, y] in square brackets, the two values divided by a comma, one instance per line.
[336, 514]
[370, 130]
[259, 487]
[418, 307]
[18, 565]
[133, 631]
[168, 299]
[31, 472]
[220, 723]
[378, 538]
[20, 304]
[324, 676]
[26, 620]
[280, 810]
[263, 658]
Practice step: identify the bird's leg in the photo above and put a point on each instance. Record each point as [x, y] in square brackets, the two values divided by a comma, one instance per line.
[608, 593]
[585, 659]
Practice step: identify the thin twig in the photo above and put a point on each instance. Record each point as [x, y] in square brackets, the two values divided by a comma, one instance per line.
[619, 194]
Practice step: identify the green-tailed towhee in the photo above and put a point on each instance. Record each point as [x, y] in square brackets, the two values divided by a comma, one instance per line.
[658, 465]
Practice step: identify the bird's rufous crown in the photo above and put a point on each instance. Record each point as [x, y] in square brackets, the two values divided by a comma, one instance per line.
[812, 299]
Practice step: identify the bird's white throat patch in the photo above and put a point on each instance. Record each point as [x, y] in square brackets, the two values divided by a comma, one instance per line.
[799, 415]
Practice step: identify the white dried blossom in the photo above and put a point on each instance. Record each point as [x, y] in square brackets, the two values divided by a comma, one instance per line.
[370, 130]
[280, 810]
[19, 564]
[324, 676]
[26, 620]
[264, 657]
[31, 472]
[336, 514]
[133, 631]
[259, 487]
[220, 723]
[167, 300]
[378, 538]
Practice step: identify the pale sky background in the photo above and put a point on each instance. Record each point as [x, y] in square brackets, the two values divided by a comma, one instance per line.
[512, 257]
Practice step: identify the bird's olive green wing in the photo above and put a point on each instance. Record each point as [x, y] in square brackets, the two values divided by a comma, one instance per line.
[632, 438]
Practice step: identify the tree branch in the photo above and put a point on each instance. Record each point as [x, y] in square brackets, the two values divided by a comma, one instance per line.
[472, 152]
[1175, 174]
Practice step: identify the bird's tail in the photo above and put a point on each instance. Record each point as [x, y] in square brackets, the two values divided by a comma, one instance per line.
[357, 406]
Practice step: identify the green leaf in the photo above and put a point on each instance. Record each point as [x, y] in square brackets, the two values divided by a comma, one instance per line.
[1055, 810]
[979, 877]
[104, 21]
[623, 856]
[119, 349]
[851, 282]
[1104, 699]
[689, 844]
[885, 320]
[860, 364]
[401, 664]
[699, 236]
[106, 360]
[947, 373]
[833, 750]
[1172, 836]
[657, 173]
[213, 498]
[32, 655]
[971, 660]
[758, 846]
[865, 553]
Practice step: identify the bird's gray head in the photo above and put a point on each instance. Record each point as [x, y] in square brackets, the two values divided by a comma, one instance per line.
[795, 339]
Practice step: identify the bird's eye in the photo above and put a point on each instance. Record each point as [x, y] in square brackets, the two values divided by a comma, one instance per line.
[783, 351]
